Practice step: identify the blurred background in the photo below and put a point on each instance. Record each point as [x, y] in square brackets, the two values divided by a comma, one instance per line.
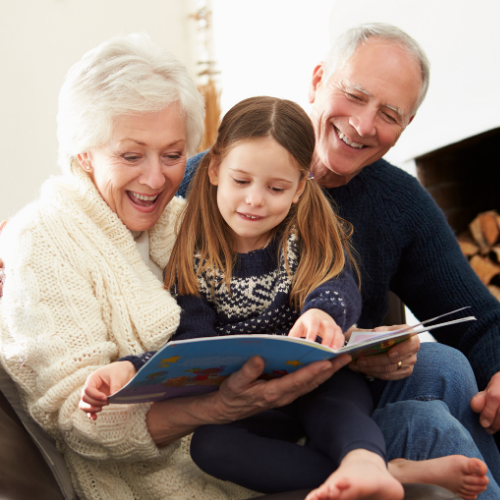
[236, 49]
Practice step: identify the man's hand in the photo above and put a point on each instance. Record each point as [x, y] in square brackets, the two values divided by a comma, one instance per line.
[243, 394]
[387, 366]
[317, 323]
[487, 403]
[2, 275]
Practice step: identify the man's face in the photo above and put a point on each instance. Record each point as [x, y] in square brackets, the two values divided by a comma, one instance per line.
[361, 111]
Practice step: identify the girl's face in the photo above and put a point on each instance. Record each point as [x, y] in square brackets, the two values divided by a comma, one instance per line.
[257, 183]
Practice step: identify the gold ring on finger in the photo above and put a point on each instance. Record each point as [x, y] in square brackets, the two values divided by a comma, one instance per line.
[400, 365]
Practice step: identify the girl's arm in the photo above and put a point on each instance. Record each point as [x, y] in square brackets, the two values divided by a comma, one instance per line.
[329, 310]
[197, 318]
[338, 297]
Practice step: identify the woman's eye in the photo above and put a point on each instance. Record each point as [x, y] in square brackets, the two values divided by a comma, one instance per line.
[130, 157]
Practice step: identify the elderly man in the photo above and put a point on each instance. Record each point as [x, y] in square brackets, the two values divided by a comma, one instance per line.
[363, 97]
[360, 108]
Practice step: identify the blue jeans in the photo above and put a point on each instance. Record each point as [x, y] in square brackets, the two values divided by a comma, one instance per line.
[428, 415]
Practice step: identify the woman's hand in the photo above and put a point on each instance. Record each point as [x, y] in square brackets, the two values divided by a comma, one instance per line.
[241, 395]
[317, 323]
[102, 383]
[387, 366]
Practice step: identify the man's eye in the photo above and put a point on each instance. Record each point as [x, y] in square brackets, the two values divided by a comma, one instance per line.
[390, 118]
[355, 97]
[130, 157]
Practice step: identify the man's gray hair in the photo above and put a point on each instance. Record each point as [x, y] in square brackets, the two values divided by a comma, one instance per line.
[126, 75]
[346, 44]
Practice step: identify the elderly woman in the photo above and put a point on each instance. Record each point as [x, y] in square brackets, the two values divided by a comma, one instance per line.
[84, 266]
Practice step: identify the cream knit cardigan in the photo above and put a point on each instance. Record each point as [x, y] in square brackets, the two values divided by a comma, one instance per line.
[78, 296]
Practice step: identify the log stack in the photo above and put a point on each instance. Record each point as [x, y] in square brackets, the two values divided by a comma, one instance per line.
[481, 245]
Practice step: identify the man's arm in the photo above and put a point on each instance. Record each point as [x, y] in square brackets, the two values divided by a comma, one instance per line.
[434, 277]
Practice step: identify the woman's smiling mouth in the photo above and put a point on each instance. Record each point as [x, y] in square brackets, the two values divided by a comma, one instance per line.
[143, 201]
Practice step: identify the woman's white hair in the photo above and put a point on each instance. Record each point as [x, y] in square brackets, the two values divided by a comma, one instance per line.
[346, 44]
[126, 75]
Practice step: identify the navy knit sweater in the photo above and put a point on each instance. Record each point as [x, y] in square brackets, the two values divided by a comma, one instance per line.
[405, 245]
[260, 299]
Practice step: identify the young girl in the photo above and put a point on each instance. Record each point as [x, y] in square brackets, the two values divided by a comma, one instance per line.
[260, 250]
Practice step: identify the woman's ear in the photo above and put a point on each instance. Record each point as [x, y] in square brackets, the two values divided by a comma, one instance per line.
[85, 161]
[213, 173]
[300, 190]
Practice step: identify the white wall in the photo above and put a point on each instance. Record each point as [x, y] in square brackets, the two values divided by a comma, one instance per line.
[39, 41]
[270, 47]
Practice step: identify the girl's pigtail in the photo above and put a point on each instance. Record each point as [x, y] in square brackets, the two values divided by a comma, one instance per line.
[324, 243]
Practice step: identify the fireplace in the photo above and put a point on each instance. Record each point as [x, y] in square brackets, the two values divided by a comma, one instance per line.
[464, 180]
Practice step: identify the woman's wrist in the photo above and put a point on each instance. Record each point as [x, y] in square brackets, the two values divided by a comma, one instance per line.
[170, 420]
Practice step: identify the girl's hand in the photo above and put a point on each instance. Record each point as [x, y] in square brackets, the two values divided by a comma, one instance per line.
[317, 323]
[102, 383]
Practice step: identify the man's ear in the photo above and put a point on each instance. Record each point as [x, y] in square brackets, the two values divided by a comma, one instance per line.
[317, 77]
[213, 173]
[411, 119]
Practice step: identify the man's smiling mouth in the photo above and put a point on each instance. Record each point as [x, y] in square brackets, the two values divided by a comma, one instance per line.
[347, 140]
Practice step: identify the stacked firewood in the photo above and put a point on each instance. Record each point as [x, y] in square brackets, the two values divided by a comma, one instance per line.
[481, 245]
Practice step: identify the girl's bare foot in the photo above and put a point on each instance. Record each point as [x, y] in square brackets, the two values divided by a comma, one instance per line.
[462, 475]
[361, 475]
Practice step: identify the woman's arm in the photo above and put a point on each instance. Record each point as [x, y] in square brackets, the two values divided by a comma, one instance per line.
[240, 396]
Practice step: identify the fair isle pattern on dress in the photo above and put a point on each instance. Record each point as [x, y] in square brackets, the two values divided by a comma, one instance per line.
[260, 291]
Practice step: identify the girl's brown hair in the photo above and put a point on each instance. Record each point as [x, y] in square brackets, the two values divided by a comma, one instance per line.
[322, 235]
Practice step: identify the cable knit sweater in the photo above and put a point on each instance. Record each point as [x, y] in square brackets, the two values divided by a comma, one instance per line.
[406, 245]
[78, 296]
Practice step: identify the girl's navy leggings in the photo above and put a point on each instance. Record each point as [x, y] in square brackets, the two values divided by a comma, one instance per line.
[261, 453]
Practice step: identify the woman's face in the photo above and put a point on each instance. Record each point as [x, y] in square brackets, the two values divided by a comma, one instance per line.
[139, 170]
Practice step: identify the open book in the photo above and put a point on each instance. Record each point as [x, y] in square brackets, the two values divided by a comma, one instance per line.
[197, 366]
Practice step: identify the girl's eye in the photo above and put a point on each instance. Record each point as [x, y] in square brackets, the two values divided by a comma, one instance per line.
[240, 181]
[277, 189]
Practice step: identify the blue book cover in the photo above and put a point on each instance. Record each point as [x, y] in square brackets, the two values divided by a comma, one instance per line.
[198, 366]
